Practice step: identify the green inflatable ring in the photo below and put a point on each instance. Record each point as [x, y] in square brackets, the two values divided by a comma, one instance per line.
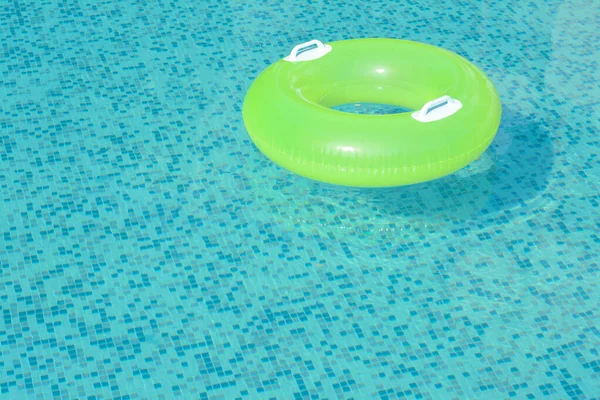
[287, 112]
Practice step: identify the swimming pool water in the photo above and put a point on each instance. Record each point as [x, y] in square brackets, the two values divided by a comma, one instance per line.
[149, 251]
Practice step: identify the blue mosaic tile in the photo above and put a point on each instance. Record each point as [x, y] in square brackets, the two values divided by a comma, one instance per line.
[149, 250]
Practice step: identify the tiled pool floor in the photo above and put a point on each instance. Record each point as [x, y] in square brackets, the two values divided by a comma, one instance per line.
[149, 251]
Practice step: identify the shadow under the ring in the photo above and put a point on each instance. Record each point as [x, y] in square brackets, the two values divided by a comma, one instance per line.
[512, 172]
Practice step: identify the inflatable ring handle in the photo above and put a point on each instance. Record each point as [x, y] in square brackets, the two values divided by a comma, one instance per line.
[437, 109]
[311, 54]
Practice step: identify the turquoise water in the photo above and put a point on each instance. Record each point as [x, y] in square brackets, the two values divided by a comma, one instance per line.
[149, 251]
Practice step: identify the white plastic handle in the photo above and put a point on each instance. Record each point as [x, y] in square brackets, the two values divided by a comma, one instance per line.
[319, 51]
[437, 109]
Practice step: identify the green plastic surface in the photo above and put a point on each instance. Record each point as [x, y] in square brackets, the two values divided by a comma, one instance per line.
[287, 112]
